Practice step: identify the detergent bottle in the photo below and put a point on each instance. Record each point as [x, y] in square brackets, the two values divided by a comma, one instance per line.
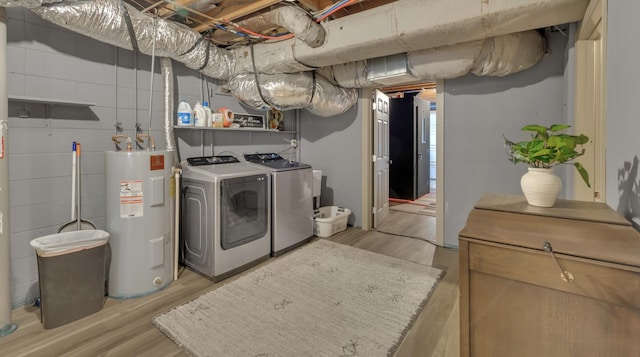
[205, 105]
[200, 115]
[185, 114]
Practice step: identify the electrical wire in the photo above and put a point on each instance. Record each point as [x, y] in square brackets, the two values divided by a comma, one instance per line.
[317, 16]
[285, 36]
[223, 28]
[336, 7]
[318, 13]
[332, 7]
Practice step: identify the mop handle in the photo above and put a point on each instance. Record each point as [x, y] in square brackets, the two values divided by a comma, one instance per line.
[73, 181]
[78, 186]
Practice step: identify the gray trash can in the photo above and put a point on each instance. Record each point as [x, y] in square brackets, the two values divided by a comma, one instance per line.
[71, 270]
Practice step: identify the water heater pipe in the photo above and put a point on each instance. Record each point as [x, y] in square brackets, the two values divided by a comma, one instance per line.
[176, 236]
[6, 327]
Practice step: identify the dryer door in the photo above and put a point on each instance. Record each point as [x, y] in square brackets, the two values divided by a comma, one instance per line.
[244, 210]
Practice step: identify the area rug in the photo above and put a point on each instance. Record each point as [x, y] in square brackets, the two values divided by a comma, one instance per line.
[425, 205]
[324, 299]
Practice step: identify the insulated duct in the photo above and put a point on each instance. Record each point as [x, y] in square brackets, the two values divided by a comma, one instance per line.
[413, 25]
[166, 70]
[422, 29]
[108, 21]
[506, 54]
[495, 56]
[286, 91]
[293, 18]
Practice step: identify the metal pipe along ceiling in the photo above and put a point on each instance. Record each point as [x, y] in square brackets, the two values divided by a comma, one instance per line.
[424, 30]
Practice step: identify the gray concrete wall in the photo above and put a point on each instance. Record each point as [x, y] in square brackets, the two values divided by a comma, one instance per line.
[334, 145]
[623, 121]
[477, 112]
[46, 61]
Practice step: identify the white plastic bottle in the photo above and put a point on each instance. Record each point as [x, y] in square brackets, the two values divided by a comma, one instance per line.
[205, 105]
[199, 115]
[185, 114]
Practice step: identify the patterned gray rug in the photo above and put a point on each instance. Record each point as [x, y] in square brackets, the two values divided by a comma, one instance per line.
[324, 299]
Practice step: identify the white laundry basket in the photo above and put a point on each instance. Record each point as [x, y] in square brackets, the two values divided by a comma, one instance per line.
[330, 220]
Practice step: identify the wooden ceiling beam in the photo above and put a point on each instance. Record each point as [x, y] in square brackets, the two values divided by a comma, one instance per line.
[363, 6]
[409, 87]
[315, 5]
[234, 9]
[167, 9]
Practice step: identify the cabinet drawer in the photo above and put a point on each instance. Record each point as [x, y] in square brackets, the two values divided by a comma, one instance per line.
[613, 283]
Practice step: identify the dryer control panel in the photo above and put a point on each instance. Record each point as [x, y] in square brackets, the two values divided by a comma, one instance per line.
[212, 160]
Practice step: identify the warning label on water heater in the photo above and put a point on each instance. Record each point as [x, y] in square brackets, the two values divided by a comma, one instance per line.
[131, 198]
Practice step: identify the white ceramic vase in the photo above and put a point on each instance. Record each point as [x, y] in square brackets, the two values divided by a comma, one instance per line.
[541, 186]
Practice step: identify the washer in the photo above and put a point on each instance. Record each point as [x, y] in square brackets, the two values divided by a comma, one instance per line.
[292, 208]
[225, 218]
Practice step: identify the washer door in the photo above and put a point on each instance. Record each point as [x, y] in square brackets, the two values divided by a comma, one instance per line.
[244, 215]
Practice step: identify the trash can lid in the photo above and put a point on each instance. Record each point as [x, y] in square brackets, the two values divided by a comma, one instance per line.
[70, 240]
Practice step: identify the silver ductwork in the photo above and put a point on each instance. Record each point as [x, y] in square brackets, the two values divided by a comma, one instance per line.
[444, 44]
[495, 56]
[267, 62]
[108, 21]
[412, 25]
[294, 19]
[286, 91]
[166, 70]
[506, 54]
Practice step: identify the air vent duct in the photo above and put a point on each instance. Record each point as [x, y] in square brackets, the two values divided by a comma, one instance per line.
[390, 70]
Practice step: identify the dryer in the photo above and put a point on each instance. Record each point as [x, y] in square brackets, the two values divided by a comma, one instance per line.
[292, 207]
[225, 215]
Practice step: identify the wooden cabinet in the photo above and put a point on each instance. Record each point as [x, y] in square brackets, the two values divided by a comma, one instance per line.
[514, 300]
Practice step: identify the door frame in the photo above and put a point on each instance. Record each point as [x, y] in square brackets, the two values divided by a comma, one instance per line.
[590, 99]
[367, 162]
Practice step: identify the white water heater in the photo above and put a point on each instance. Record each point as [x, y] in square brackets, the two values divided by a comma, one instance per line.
[139, 221]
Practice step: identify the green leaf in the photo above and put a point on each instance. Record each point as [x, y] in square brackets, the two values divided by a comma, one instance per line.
[533, 145]
[538, 129]
[555, 141]
[540, 153]
[583, 173]
[582, 139]
[569, 140]
[557, 127]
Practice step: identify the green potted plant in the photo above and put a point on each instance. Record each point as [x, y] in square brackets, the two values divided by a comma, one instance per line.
[546, 149]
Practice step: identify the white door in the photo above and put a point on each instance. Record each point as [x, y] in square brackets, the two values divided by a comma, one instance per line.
[380, 157]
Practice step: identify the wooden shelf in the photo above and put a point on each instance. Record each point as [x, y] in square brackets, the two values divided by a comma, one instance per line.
[49, 101]
[252, 130]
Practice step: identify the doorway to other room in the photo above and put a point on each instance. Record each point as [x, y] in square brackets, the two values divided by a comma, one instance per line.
[412, 130]
[377, 144]
[412, 162]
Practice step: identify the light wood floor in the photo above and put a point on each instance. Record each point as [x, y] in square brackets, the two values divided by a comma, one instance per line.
[123, 327]
[409, 225]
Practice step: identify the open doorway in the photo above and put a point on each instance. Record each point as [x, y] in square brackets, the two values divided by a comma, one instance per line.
[412, 131]
[430, 132]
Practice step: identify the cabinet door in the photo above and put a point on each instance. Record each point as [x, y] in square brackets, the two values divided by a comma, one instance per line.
[511, 318]
[513, 303]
